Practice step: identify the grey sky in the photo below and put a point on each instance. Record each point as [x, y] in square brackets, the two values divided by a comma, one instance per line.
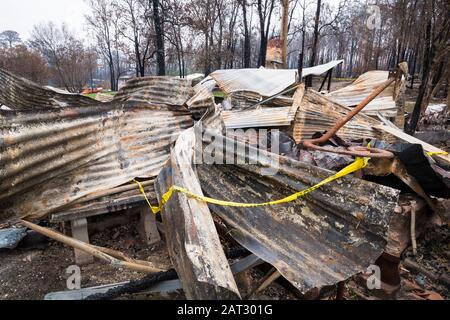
[22, 15]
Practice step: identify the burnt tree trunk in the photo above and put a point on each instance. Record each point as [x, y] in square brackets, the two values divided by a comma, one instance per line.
[247, 52]
[159, 30]
[263, 43]
[313, 59]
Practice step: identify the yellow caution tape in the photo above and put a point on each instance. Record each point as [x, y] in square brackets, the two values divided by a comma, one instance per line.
[360, 163]
[441, 153]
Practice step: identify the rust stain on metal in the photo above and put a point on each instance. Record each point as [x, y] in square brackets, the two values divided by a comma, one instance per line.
[193, 242]
[50, 158]
[18, 93]
[314, 242]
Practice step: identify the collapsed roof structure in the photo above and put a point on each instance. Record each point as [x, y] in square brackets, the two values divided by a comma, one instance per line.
[62, 154]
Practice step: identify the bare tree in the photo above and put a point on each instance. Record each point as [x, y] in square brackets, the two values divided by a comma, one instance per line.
[265, 12]
[64, 53]
[135, 27]
[247, 43]
[9, 38]
[103, 21]
[284, 31]
[436, 51]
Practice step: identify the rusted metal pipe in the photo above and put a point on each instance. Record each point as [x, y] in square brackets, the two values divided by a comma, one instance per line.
[356, 151]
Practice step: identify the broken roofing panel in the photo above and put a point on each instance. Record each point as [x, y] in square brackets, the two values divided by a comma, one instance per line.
[51, 158]
[265, 117]
[193, 242]
[18, 93]
[266, 82]
[327, 237]
[353, 94]
[317, 114]
[202, 100]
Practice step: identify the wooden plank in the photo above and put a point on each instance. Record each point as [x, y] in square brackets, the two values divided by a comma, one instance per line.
[147, 226]
[80, 232]
[100, 208]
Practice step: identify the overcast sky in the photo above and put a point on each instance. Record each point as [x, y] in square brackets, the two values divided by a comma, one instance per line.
[22, 15]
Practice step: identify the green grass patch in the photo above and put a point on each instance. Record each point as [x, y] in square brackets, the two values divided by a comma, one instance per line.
[219, 94]
[91, 95]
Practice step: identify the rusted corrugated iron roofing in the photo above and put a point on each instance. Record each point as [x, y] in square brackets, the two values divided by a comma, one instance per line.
[332, 234]
[318, 113]
[261, 117]
[170, 91]
[52, 157]
[353, 94]
[266, 82]
[18, 93]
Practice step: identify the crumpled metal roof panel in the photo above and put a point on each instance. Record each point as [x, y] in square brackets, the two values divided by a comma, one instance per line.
[18, 93]
[353, 94]
[51, 158]
[327, 237]
[170, 91]
[266, 82]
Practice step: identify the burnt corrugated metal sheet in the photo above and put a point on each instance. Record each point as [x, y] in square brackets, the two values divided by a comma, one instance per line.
[19, 93]
[170, 91]
[318, 114]
[266, 82]
[280, 112]
[202, 100]
[353, 94]
[259, 118]
[53, 157]
[192, 239]
[50, 158]
[329, 236]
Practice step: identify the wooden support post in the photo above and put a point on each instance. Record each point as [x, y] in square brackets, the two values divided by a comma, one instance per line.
[324, 81]
[148, 228]
[330, 76]
[80, 232]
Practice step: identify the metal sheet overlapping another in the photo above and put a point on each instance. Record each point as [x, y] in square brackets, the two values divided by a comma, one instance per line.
[327, 237]
[353, 94]
[330, 235]
[51, 157]
[266, 82]
[18, 93]
[258, 118]
[170, 91]
[201, 101]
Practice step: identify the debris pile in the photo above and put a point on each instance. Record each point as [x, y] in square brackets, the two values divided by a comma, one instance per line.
[227, 173]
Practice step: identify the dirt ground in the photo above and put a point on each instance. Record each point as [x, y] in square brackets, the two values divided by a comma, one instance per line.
[29, 274]
[32, 273]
